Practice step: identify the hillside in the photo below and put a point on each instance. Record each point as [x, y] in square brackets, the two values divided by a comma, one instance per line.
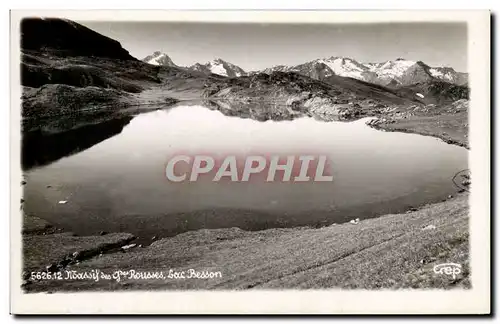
[64, 37]
[293, 94]
[434, 92]
[395, 251]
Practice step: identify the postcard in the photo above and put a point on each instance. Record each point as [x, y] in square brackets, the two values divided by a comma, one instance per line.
[251, 162]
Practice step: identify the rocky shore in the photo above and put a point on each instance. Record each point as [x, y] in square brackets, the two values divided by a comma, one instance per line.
[449, 123]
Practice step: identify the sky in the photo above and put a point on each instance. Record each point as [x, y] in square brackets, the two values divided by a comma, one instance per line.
[258, 46]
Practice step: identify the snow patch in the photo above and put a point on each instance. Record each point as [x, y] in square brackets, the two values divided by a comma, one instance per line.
[420, 95]
[217, 68]
[158, 58]
[155, 60]
[440, 75]
[393, 68]
[343, 67]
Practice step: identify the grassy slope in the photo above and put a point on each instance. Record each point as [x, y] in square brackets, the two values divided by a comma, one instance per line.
[393, 251]
[40, 251]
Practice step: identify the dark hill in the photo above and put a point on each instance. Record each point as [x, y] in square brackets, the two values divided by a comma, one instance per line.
[368, 90]
[67, 38]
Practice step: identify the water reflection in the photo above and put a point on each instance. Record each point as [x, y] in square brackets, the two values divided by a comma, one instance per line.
[120, 184]
[40, 147]
[261, 110]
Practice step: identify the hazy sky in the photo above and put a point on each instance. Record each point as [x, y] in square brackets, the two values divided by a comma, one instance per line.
[257, 46]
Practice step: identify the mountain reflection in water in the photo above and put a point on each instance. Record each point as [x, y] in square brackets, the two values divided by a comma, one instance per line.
[39, 147]
[119, 185]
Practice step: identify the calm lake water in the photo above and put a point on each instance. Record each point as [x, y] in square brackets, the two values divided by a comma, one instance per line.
[119, 184]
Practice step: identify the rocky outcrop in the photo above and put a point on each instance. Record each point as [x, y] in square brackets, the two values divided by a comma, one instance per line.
[43, 67]
[293, 95]
[60, 99]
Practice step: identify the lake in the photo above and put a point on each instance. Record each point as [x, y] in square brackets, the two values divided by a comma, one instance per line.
[119, 184]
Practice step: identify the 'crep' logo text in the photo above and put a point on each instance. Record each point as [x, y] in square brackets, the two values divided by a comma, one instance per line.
[451, 269]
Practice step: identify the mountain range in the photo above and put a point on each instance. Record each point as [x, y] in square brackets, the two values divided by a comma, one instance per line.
[66, 67]
[216, 66]
[395, 73]
[220, 67]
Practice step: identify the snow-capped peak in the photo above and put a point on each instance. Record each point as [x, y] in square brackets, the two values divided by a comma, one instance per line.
[399, 70]
[393, 68]
[218, 61]
[159, 58]
[344, 66]
[220, 67]
[447, 74]
[217, 67]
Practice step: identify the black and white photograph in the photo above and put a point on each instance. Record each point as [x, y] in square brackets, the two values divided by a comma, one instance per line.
[189, 156]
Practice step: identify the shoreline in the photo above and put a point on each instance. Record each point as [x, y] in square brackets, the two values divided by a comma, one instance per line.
[436, 233]
[454, 125]
[445, 139]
